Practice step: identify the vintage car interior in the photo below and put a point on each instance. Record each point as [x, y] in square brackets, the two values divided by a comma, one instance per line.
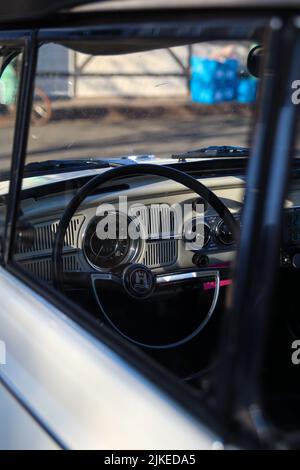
[162, 292]
[186, 280]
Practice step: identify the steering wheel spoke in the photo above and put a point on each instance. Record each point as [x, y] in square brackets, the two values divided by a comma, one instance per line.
[182, 276]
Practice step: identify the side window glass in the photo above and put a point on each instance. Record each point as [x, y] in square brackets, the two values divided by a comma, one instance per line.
[10, 70]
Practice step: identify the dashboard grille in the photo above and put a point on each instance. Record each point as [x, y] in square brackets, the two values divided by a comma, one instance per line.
[42, 268]
[158, 220]
[159, 224]
[44, 234]
[160, 253]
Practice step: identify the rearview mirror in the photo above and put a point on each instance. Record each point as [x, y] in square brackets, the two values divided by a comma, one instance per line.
[254, 61]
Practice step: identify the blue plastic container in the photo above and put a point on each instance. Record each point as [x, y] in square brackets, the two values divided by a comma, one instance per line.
[247, 89]
[212, 81]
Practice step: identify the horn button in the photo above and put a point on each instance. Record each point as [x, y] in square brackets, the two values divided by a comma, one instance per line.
[138, 281]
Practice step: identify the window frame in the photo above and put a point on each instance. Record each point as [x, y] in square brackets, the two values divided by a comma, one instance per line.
[27, 41]
[14, 40]
[244, 349]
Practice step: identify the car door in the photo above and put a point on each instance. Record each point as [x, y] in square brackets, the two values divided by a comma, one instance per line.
[79, 387]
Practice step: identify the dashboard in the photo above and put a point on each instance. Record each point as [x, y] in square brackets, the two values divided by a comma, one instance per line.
[151, 201]
[163, 246]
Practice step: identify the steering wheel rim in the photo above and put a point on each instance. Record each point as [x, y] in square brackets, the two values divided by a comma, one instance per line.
[127, 171]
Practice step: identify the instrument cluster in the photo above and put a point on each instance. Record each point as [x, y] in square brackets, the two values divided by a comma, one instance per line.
[216, 233]
[104, 250]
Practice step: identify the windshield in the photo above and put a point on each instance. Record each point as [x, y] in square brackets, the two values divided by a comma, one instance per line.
[155, 104]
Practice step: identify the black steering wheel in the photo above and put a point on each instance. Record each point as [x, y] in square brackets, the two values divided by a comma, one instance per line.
[123, 276]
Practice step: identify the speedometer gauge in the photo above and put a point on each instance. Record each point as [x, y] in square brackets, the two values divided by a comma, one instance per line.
[107, 247]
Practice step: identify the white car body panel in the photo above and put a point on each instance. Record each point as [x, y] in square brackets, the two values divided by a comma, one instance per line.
[85, 394]
[18, 430]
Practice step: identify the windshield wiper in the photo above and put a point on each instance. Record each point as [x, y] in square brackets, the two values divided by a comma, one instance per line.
[61, 166]
[213, 151]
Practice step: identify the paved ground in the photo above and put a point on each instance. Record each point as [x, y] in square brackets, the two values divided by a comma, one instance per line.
[133, 128]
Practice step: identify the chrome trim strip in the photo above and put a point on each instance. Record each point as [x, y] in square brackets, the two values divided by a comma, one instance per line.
[105, 277]
[173, 277]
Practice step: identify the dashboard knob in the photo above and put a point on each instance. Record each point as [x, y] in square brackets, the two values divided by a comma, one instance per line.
[25, 235]
[201, 261]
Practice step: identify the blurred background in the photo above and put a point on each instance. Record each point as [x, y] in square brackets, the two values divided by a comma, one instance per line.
[156, 102]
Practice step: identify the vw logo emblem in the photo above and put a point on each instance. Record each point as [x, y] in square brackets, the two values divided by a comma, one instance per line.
[138, 281]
